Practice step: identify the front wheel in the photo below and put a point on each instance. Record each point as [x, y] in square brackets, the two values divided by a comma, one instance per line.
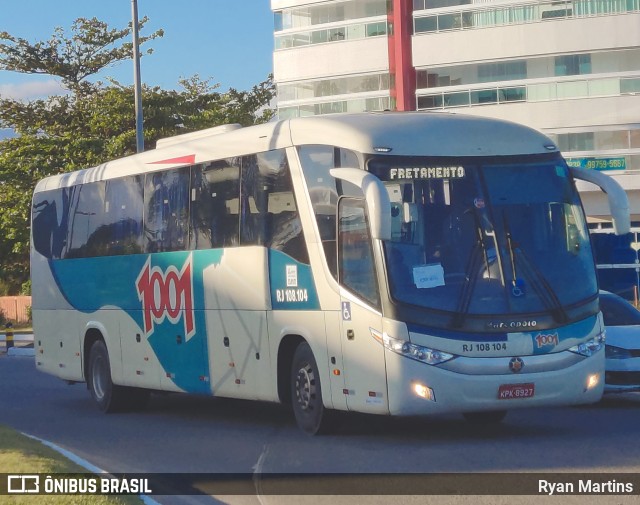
[306, 393]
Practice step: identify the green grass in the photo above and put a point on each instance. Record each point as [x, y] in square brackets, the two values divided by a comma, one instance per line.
[20, 454]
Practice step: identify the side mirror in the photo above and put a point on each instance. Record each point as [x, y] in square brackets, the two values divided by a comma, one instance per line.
[617, 197]
[376, 197]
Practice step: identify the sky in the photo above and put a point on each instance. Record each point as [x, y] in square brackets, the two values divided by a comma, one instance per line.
[230, 41]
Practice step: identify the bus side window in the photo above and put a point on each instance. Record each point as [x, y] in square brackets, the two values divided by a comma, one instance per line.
[317, 161]
[86, 215]
[355, 255]
[253, 203]
[282, 225]
[166, 198]
[215, 206]
[50, 217]
[124, 203]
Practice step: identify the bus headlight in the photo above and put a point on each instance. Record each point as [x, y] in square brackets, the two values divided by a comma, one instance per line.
[413, 351]
[590, 347]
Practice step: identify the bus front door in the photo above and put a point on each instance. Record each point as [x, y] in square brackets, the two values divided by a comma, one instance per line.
[363, 354]
[363, 358]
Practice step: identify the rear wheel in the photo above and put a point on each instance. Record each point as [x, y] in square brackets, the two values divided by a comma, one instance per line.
[108, 396]
[486, 417]
[306, 393]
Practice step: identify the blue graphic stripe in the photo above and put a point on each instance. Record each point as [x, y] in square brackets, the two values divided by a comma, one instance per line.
[291, 283]
[90, 284]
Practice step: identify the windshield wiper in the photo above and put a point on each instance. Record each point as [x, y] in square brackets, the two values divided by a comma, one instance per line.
[536, 278]
[471, 275]
[510, 248]
[471, 279]
[543, 289]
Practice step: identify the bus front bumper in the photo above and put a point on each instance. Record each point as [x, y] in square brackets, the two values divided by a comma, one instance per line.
[416, 388]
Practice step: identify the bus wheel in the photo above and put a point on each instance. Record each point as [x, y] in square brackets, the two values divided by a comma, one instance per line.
[306, 393]
[485, 417]
[108, 396]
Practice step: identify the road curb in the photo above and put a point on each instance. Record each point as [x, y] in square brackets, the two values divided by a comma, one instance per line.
[147, 500]
[21, 351]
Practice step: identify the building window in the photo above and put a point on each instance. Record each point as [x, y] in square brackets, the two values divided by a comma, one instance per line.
[518, 14]
[419, 5]
[300, 17]
[277, 21]
[502, 71]
[304, 90]
[356, 105]
[576, 141]
[573, 64]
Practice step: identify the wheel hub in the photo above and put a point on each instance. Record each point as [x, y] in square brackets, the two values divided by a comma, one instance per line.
[305, 388]
[99, 378]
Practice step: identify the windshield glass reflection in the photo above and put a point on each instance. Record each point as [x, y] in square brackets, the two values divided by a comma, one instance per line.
[482, 237]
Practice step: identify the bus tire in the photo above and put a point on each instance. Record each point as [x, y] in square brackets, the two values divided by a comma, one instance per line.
[306, 393]
[485, 417]
[108, 396]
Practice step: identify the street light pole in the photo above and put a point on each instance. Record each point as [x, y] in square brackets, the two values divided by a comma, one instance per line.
[136, 77]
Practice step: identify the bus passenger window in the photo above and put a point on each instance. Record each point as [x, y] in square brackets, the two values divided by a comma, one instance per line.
[87, 215]
[215, 207]
[123, 209]
[282, 225]
[50, 218]
[166, 198]
[317, 161]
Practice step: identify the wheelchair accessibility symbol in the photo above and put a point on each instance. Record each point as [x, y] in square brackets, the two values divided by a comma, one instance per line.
[518, 289]
[346, 311]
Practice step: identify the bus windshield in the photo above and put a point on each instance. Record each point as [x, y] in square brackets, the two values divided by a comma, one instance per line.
[486, 236]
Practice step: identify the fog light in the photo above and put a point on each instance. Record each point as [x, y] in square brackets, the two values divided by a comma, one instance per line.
[424, 392]
[593, 380]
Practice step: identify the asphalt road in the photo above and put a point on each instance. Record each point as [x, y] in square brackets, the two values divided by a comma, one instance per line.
[183, 434]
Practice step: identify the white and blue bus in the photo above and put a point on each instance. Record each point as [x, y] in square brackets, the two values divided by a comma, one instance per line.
[387, 263]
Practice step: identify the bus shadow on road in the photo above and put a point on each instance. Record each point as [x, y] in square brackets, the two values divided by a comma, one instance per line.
[215, 409]
[248, 414]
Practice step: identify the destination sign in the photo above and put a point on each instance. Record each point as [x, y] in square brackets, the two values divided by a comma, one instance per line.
[426, 173]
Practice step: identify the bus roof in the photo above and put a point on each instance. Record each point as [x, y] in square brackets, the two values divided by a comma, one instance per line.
[395, 133]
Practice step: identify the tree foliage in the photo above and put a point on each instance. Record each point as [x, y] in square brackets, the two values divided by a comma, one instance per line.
[94, 122]
[91, 48]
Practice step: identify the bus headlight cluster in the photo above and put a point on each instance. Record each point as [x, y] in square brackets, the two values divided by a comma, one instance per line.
[590, 347]
[416, 352]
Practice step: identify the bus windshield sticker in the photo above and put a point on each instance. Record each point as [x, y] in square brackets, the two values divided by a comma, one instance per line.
[428, 276]
[427, 173]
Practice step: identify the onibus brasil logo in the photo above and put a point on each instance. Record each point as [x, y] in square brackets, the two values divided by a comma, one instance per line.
[167, 294]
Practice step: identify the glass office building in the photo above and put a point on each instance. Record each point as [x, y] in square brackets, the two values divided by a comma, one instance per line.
[570, 68]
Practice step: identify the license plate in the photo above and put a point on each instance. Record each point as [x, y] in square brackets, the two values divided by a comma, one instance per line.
[516, 391]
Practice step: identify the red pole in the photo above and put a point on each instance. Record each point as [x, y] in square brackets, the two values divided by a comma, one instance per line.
[403, 74]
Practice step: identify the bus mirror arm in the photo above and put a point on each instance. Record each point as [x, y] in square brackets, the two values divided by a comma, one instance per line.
[616, 195]
[376, 198]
